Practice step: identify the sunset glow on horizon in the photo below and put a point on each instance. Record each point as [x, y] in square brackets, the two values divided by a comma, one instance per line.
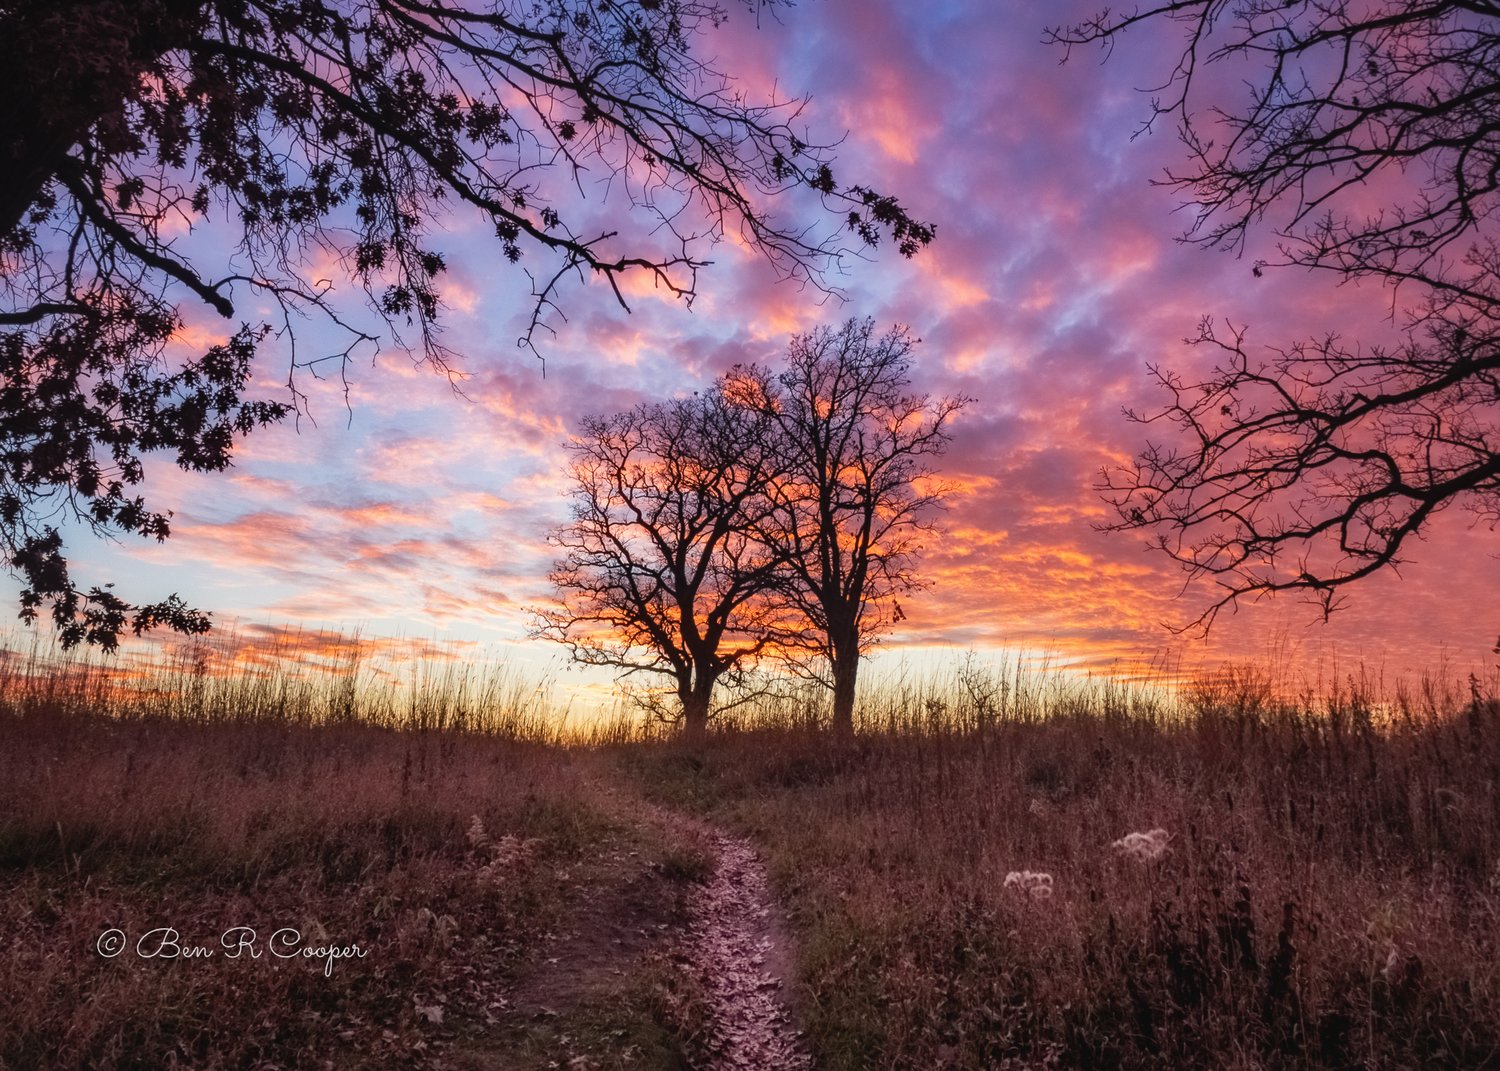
[415, 517]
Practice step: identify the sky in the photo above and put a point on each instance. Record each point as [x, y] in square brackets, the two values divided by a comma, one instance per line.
[416, 517]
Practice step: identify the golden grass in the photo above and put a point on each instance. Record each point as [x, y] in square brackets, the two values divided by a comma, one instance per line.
[206, 685]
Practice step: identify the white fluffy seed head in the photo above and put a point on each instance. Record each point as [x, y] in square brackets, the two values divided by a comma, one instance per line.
[1144, 847]
[1034, 883]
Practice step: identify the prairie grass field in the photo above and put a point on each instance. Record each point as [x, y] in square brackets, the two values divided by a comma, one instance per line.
[1316, 883]
[1326, 893]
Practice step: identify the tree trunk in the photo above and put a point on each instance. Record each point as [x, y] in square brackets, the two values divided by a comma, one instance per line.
[845, 666]
[64, 65]
[696, 701]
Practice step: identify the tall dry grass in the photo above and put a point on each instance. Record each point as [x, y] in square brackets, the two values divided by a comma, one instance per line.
[1327, 893]
[186, 800]
[198, 683]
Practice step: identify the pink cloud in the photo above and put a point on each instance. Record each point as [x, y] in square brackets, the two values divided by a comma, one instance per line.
[1055, 279]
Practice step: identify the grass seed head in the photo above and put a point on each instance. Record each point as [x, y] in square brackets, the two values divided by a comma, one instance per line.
[1144, 847]
[1033, 883]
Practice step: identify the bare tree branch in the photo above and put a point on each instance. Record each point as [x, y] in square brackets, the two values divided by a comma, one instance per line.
[662, 572]
[1317, 465]
[848, 514]
[344, 128]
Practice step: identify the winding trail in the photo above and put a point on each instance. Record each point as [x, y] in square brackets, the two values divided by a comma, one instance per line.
[572, 1005]
[738, 950]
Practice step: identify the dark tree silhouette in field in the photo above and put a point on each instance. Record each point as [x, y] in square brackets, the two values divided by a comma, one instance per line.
[855, 495]
[662, 571]
[1313, 467]
[335, 127]
[778, 514]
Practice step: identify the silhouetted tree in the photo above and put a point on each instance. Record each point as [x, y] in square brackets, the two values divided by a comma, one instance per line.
[1371, 133]
[662, 570]
[855, 497]
[339, 127]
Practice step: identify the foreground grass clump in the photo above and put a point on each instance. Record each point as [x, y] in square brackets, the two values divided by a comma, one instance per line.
[1307, 887]
[438, 854]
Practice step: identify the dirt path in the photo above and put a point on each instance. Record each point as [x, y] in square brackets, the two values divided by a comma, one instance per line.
[739, 952]
[584, 1002]
[672, 913]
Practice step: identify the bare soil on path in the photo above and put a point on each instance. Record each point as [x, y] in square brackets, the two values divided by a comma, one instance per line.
[738, 949]
[675, 957]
